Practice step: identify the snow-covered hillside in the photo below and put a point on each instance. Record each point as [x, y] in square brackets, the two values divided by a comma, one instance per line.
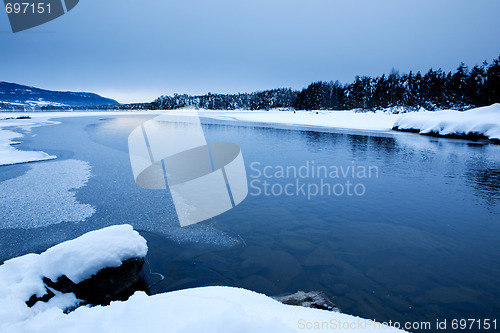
[19, 97]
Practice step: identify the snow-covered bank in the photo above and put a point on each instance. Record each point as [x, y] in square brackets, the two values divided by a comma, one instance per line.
[479, 122]
[210, 309]
[376, 121]
[10, 155]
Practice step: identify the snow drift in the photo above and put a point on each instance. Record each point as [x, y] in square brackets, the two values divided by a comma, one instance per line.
[208, 309]
[481, 122]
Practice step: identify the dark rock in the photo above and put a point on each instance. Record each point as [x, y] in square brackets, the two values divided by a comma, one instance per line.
[109, 284]
[312, 299]
[45, 298]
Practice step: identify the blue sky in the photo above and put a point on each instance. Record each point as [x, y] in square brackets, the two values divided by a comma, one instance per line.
[134, 51]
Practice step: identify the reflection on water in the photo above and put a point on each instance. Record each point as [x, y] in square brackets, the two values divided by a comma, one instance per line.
[486, 182]
[421, 244]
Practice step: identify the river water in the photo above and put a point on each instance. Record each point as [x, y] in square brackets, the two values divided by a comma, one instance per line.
[392, 226]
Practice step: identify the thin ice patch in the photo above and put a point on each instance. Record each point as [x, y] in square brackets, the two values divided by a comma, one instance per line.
[44, 196]
[201, 235]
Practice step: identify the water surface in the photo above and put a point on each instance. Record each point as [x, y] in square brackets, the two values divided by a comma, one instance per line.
[420, 244]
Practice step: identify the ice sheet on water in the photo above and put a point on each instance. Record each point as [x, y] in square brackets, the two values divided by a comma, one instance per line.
[44, 195]
[200, 234]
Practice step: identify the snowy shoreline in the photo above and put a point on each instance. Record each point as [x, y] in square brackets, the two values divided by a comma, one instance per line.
[479, 123]
[9, 154]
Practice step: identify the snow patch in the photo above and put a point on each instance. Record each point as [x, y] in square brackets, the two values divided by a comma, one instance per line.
[10, 155]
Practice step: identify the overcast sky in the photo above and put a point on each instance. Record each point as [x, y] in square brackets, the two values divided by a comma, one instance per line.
[134, 51]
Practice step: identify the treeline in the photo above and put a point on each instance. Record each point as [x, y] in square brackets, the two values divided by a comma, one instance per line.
[462, 89]
[9, 107]
[262, 100]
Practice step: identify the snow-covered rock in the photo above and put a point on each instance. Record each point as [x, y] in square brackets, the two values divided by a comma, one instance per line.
[22, 278]
[474, 123]
[109, 284]
[97, 267]
[84, 256]
[312, 299]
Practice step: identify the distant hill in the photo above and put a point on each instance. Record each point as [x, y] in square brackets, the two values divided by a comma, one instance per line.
[18, 97]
